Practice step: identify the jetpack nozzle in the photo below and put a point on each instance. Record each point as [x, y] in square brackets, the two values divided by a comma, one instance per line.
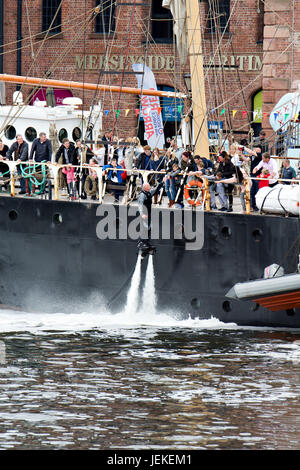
[145, 249]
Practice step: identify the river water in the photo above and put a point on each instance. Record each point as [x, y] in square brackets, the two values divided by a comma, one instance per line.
[128, 381]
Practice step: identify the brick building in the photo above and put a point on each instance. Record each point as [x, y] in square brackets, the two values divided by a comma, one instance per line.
[249, 62]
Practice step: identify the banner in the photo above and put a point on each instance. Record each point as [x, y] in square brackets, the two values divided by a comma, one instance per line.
[150, 107]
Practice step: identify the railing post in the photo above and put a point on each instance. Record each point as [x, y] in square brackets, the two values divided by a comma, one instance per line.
[247, 196]
[207, 194]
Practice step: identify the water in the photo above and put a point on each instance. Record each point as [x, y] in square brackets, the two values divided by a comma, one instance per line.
[145, 380]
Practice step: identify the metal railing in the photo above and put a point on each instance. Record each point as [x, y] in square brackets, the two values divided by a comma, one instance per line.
[142, 177]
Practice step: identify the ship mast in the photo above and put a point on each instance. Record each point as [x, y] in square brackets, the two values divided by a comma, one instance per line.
[197, 78]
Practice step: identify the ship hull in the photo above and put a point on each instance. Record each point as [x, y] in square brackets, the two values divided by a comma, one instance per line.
[52, 260]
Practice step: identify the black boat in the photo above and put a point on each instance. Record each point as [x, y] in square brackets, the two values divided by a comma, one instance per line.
[51, 259]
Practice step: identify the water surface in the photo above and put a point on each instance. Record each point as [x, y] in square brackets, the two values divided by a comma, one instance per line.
[126, 381]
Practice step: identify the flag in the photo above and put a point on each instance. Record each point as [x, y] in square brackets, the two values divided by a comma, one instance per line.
[154, 129]
[244, 114]
[126, 111]
[234, 111]
[106, 112]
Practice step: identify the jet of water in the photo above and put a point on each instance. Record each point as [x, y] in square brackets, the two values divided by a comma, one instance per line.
[132, 296]
[149, 294]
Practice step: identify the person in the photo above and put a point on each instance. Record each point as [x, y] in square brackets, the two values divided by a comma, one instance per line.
[81, 159]
[172, 189]
[4, 168]
[157, 161]
[263, 175]
[187, 163]
[99, 154]
[65, 155]
[255, 157]
[144, 206]
[262, 141]
[41, 149]
[200, 169]
[168, 179]
[279, 143]
[106, 140]
[178, 151]
[288, 172]
[240, 178]
[19, 152]
[143, 161]
[69, 172]
[270, 164]
[226, 169]
[115, 177]
[67, 152]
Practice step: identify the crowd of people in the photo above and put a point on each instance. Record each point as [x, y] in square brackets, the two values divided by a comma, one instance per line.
[171, 169]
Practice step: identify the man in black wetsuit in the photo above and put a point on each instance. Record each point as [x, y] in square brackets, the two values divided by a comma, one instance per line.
[145, 205]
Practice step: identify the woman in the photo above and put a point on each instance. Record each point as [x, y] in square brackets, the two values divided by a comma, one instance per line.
[156, 163]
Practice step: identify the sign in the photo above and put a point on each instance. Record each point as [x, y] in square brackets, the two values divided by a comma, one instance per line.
[94, 62]
[214, 127]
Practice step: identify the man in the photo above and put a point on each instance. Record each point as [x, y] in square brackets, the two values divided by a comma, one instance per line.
[115, 176]
[145, 205]
[41, 149]
[261, 140]
[256, 158]
[67, 152]
[287, 172]
[143, 161]
[270, 164]
[19, 153]
[106, 139]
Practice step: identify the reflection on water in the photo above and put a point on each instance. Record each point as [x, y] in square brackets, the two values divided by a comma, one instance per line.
[103, 382]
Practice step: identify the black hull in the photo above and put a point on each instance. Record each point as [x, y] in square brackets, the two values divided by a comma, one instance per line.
[50, 266]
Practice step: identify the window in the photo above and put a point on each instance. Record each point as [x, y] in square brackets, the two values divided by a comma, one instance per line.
[162, 23]
[105, 20]
[218, 15]
[51, 16]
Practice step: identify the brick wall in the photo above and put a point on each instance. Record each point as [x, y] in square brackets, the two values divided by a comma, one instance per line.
[281, 69]
[231, 89]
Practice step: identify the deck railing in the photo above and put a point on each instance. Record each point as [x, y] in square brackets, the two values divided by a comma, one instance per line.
[142, 175]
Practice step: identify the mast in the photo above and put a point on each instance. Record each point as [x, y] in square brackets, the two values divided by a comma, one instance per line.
[197, 78]
[47, 82]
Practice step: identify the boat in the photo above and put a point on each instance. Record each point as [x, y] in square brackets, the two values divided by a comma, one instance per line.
[55, 255]
[274, 292]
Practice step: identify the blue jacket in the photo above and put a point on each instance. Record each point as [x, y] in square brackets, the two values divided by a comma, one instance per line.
[119, 173]
[157, 164]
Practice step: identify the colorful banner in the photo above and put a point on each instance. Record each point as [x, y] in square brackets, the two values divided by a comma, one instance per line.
[152, 118]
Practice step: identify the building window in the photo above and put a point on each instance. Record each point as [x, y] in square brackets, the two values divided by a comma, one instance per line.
[51, 16]
[162, 23]
[105, 21]
[218, 16]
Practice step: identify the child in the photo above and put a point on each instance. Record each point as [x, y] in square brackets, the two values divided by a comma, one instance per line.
[264, 174]
[71, 181]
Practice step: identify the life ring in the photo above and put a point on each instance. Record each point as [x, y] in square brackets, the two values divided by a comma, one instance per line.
[87, 187]
[193, 185]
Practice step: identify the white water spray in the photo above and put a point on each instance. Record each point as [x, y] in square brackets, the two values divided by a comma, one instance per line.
[132, 296]
[149, 294]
